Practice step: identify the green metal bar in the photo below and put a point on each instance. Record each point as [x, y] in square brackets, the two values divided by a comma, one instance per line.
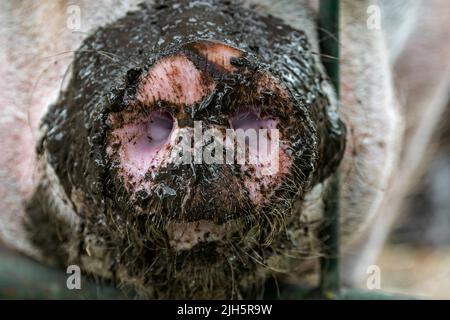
[358, 294]
[329, 39]
[24, 278]
[298, 292]
[329, 35]
[329, 271]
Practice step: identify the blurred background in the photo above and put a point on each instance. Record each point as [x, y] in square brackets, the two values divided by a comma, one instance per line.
[416, 258]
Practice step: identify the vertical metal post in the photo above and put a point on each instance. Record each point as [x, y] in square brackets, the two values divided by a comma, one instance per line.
[329, 39]
[329, 36]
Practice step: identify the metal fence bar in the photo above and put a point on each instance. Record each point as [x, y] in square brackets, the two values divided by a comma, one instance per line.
[24, 278]
[297, 291]
[329, 41]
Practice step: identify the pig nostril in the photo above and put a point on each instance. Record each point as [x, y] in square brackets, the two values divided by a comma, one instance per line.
[247, 118]
[160, 126]
[143, 144]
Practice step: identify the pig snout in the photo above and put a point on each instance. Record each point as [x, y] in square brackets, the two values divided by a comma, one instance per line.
[143, 136]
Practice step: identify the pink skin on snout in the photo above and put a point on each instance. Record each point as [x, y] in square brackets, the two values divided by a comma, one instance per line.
[270, 161]
[218, 53]
[173, 79]
[145, 146]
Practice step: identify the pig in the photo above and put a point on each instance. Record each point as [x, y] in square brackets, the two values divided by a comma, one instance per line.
[96, 97]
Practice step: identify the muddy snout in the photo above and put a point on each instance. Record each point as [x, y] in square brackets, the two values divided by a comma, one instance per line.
[196, 144]
[196, 136]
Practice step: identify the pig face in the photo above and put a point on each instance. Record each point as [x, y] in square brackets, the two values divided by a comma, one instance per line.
[176, 229]
[107, 104]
